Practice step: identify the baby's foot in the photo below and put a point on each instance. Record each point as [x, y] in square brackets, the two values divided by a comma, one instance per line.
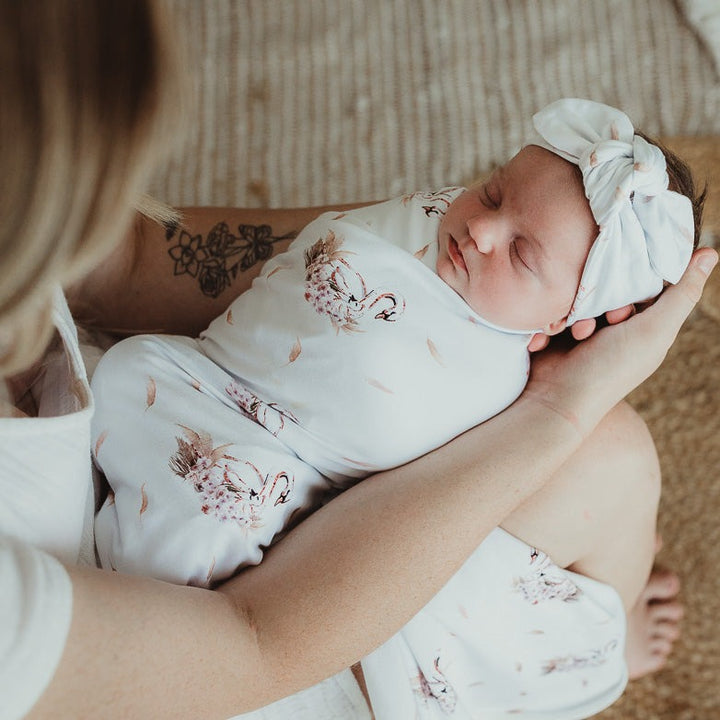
[653, 624]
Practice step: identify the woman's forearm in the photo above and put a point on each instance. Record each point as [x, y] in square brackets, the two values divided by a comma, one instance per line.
[178, 279]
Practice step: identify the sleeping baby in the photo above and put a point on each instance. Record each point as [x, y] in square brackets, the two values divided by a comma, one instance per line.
[381, 334]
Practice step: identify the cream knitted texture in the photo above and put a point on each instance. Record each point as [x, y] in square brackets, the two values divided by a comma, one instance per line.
[330, 101]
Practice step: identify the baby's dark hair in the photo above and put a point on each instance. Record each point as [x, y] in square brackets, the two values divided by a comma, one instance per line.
[681, 180]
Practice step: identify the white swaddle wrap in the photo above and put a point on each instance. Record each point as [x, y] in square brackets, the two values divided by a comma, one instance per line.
[358, 349]
[348, 355]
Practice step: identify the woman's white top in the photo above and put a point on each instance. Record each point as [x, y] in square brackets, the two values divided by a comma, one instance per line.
[46, 509]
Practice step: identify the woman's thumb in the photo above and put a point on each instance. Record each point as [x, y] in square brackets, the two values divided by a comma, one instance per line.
[679, 300]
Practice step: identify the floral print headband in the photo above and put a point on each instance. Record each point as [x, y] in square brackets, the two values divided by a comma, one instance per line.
[646, 231]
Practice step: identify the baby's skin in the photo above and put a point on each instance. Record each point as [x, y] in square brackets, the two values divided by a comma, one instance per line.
[514, 247]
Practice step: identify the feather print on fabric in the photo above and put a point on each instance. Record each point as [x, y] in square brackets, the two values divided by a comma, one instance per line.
[568, 663]
[151, 393]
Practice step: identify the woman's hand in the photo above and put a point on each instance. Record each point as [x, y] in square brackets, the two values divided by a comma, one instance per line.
[583, 329]
[585, 381]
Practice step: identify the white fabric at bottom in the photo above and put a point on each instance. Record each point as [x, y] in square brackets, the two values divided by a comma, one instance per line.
[510, 634]
[337, 698]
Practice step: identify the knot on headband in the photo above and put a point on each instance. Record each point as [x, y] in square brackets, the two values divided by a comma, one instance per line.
[646, 231]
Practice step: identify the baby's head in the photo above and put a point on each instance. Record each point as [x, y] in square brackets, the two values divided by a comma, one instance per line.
[579, 223]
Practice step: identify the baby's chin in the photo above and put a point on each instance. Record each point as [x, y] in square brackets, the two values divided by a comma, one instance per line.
[486, 316]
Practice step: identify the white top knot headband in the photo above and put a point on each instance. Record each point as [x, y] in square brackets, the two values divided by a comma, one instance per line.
[646, 231]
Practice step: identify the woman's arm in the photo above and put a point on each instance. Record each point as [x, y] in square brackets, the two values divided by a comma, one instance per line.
[177, 279]
[336, 587]
[349, 576]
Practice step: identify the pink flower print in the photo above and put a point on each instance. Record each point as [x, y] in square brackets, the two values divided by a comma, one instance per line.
[269, 415]
[334, 289]
[435, 203]
[196, 452]
[437, 688]
[546, 582]
[568, 663]
[230, 490]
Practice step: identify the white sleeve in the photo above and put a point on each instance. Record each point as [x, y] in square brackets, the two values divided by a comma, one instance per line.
[35, 613]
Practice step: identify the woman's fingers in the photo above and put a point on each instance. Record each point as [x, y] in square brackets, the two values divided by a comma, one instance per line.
[615, 316]
[691, 285]
[583, 329]
[642, 341]
[693, 281]
[586, 381]
[539, 341]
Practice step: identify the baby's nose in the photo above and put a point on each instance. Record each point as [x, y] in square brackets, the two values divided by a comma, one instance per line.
[484, 232]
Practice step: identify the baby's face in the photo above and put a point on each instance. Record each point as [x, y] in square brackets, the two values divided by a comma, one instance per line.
[514, 247]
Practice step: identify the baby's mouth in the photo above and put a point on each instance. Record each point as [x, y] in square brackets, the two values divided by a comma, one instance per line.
[455, 254]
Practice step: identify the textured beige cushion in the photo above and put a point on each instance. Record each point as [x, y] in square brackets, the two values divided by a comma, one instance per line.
[332, 101]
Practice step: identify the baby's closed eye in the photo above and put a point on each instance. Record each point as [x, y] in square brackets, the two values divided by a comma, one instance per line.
[488, 199]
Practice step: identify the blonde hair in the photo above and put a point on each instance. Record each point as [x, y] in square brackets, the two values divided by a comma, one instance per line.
[89, 104]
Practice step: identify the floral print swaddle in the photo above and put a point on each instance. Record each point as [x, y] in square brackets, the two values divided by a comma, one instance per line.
[347, 356]
[367, 355]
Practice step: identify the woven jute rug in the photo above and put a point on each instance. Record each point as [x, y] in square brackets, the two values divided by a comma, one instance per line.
[681, 404]
[330, 101]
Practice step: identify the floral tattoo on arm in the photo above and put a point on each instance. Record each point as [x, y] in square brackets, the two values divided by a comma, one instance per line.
[216, 260]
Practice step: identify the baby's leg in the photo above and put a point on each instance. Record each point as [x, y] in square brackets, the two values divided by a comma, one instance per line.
[198, 489]
[598, 518]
